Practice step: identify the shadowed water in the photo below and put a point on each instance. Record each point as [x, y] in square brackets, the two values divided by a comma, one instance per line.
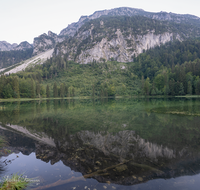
[104, 143]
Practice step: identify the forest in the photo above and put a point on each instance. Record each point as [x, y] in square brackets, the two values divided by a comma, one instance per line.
[8, 58]
[171, 69]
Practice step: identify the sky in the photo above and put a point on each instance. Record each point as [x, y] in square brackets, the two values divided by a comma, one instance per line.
[22, 20]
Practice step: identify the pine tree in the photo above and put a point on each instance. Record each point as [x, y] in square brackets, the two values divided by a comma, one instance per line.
[38, 88]
[73, 92]
[189, 88]
[55, 90]
[62, 90]
[32, 88]
[66, 90]
[48, 91]
[16, 86]
[197, 86]
[146, 86]
[181, 89]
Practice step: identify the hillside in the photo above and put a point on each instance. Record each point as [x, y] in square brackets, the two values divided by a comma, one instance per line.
[183, 26]
[9, 58]
[120, 52]
[21, 66]
[193, 21]
[121, 38]
[171, 69]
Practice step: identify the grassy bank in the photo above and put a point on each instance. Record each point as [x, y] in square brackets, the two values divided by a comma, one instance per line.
[90, 97]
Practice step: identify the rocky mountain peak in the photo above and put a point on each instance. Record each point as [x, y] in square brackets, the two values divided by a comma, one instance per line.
[5, 46]
[23, 46]
[127, 11]
[51, 34]
[45, 42]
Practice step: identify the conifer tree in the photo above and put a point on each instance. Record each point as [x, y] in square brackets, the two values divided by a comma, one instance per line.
[47, 91]
[62, 90]
[32, 88]
[16, 86]
[55, 90]
[66, 90]
[189, 88]
[38, 88]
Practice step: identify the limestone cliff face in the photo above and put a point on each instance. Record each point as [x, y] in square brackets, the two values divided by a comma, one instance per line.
[45, 42]
[118, 49]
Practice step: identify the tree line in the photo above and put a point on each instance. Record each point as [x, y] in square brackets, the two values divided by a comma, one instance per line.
[171, 69]
[8, 58]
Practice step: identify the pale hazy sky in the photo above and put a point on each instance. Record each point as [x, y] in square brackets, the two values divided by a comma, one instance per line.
[22, 20]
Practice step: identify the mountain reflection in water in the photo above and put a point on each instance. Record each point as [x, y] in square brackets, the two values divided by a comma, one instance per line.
[123, 142]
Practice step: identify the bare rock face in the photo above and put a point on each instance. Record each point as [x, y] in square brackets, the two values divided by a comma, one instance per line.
[23, 46]
[45, 42]
[122, 38]
[119, 50]
[5, 46]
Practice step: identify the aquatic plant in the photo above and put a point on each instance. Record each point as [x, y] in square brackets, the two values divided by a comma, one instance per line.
[2, 142]
[16, 182]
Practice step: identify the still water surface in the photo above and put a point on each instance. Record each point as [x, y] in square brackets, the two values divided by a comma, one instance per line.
[129, 144]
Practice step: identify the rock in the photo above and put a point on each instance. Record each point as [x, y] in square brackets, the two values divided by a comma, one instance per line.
[5, 46]
[140, 179]
[45, 42]
[121, 168]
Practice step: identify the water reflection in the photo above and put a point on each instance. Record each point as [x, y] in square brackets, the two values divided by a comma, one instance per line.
[122, 142]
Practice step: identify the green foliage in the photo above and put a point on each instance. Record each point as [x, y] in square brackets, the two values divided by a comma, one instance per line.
[111, 91]
[47, 91]
[172, 69]
[16, 87]
[16, 182]
[2, 141]
[8, 58]
[32, 88]
[55, 90]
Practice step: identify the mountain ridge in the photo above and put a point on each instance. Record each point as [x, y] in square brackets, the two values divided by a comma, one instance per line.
[5, 46]
[125, 11]
[93, 44]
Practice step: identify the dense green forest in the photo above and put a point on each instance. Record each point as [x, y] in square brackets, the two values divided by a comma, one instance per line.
[171, 69]
[8, 58]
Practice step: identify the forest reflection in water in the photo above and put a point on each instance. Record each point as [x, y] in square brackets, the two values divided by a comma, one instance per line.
[113, 141]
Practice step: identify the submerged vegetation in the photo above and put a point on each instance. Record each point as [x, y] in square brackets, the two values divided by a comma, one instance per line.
[16, 182]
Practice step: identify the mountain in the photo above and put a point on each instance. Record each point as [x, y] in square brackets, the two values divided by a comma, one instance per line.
[32, 61]
[121, 38]
[119, 34]
[122, 34]
[5, 46]
[9, 58]
[45, 42]
[23, 46]
[126, 11]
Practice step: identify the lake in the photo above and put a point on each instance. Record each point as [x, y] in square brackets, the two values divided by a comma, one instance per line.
[128, 144]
